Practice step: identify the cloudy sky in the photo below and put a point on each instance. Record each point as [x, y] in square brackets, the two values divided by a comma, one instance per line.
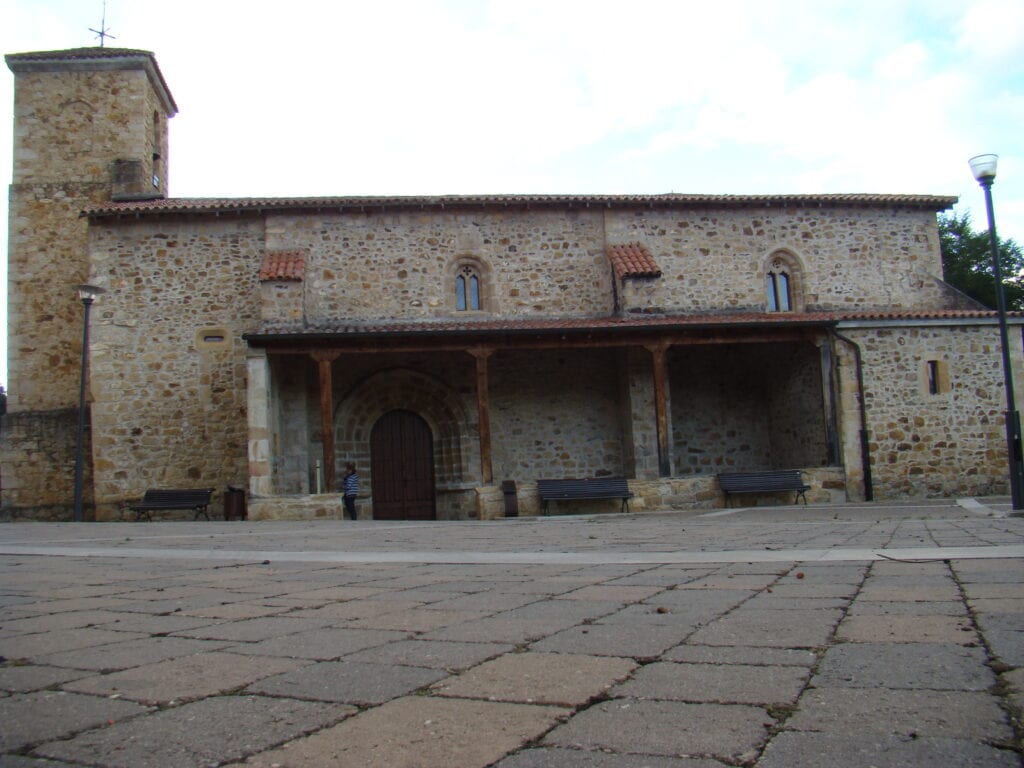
[307, 97]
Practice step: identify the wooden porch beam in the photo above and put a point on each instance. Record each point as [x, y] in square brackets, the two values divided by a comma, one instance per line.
[659, 353]
[483, 409]
[324, 359]
[514, 342]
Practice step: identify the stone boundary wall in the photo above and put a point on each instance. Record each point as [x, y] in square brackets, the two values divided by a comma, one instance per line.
[37, 459]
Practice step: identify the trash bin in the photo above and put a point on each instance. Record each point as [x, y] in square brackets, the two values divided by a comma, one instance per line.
[508, 487]
[234, 504]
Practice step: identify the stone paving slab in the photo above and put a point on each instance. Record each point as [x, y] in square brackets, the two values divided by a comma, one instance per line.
[130, 653]
[196, 735]
[724, 684]
[190, 677]
[39, 645]
[52, 622]
[911, 714]
[44, 715]
[667, 728]
[324, 644]
[907, 609]
[925, 666]
[827, 750]
[419, 731]
[627, 640]
[578, 758]
[349, 682]
[888, 628]
[252, 630]
[775, 629]
[449, 656]
[36, 677]
[719, 654]
[538, 678]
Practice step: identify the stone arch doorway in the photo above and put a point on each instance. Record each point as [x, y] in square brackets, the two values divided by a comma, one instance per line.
[402, 467]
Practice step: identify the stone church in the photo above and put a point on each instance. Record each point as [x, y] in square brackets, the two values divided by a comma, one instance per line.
[454, 346]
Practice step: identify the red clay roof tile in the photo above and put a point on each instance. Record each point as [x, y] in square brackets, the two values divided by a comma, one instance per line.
[135, 209]
[283, 265]
[342, 328]
[632, 260]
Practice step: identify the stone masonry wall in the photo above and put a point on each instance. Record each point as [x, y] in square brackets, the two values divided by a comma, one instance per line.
[553, 263]
[69, 128]
[851, 259]
[399, 265]
[556, 414]
[747, 407]
[168, 360]
[950, 443]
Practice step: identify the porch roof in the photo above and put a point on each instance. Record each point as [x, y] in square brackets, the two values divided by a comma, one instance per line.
[343, 332]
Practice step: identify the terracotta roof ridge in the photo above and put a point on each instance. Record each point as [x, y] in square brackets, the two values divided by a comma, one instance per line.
[363, 202]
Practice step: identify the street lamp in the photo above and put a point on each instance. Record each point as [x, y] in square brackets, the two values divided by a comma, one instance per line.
[984, 169]
[87, 293]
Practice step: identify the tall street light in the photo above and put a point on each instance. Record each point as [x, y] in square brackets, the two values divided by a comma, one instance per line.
[984, 169]
[87, 293]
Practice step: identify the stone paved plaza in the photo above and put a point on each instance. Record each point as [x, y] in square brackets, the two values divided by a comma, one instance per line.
[776, 637]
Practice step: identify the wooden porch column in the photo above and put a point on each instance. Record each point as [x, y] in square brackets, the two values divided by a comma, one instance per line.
[483, 409]
[658, 353]
[324, 360]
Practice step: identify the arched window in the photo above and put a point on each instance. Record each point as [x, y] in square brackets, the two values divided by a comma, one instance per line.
[782, 284]
[467, 288]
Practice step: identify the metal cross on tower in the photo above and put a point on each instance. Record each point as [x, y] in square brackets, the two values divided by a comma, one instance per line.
[102, 32]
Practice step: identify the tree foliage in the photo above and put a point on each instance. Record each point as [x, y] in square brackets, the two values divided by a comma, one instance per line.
[967, 262]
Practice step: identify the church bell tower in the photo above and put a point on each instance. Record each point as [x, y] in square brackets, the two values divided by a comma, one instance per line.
[90, 127]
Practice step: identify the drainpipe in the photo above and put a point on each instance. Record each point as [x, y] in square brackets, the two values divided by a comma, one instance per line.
[865, 451]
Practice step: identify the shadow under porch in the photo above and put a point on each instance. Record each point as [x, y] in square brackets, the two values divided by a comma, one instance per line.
[560, 412]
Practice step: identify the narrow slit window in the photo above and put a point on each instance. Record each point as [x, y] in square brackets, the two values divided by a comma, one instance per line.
[467, 289]
[460, 293]
[777, 288]
[932, 370]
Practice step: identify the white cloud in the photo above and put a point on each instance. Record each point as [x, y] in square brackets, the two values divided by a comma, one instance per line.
[469, 96]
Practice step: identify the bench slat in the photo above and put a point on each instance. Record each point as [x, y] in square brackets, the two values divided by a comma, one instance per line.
[765, 482]
[194, 499]
[584, 488]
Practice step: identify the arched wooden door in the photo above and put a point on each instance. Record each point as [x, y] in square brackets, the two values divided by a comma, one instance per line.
[402, 467]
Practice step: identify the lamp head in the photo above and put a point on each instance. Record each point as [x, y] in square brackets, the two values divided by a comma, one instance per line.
[984, 167]
[87, 293]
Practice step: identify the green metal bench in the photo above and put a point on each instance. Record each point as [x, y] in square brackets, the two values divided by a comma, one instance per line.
[587, 488]
[157, 499]
[771, 481]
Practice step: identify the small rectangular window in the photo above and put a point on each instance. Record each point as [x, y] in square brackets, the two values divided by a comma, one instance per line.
[933, 377]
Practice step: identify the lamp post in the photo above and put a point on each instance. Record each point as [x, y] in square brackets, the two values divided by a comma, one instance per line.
[87, 293]
[984, 169]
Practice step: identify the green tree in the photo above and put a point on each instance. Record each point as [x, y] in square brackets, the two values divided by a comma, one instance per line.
[967, 262]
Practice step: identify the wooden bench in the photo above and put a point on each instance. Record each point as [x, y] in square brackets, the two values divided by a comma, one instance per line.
[776, 480]
[587, 488]
[156, 499]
